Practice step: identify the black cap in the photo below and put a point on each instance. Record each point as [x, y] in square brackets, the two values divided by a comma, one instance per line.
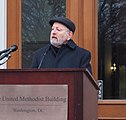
[65, 21]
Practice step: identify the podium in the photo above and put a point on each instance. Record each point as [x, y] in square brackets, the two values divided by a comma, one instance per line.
[82, 88]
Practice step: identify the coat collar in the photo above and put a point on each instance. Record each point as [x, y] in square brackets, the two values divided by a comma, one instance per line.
[71, 44]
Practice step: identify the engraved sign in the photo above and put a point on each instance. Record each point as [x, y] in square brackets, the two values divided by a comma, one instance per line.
[33, 102]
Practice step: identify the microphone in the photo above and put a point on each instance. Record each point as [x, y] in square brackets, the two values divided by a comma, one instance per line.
[42, 60]
[13, 47]
[7, 51]
[43, 56]
[3, 51]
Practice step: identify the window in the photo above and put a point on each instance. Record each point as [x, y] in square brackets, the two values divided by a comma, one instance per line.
[35, 27]
[112, 47]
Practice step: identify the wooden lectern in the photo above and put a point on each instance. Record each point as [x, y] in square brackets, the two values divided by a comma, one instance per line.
[82, 88]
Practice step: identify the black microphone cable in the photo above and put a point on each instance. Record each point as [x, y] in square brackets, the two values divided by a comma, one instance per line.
[43, 56]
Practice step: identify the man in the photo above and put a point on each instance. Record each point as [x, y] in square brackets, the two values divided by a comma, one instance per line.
[62, 52]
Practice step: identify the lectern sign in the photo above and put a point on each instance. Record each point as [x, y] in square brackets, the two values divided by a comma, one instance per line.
[33, 102]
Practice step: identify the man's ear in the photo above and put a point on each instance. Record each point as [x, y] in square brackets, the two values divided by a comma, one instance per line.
[70, 34]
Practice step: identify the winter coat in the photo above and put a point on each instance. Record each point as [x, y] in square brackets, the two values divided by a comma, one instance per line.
[68, 56]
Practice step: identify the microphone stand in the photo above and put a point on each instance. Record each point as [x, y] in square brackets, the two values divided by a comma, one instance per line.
[5, 59]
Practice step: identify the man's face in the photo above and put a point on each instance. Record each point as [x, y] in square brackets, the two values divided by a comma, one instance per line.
[60, 34]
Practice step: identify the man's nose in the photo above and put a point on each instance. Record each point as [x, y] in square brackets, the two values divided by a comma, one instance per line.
[54, 31]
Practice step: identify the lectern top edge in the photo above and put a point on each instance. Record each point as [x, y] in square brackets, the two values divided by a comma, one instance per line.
[88, 74]
[91, 78]
[45, 69]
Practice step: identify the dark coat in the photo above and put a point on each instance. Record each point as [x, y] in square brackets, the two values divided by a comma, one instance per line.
[68, 56]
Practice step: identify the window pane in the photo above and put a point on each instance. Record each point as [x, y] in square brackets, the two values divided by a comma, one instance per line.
[112, 48]
[35, 27]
